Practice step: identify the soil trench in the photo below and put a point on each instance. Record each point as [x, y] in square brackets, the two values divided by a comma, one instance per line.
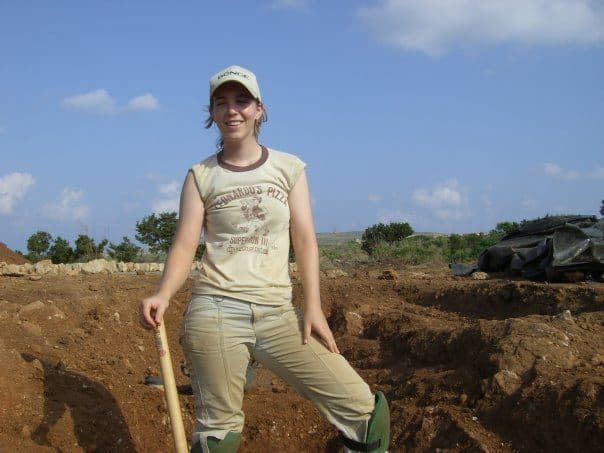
[498, 365]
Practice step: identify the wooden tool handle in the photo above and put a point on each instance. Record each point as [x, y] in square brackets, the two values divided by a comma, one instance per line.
[167, 374]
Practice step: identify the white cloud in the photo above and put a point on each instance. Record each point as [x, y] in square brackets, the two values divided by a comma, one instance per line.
[290, 4]
[13, 188]
[97, 101]
[146, 102]
[169, 199]
[69, 206]
[101, 102]
[374, 197]
[555, 171]
[437, 26]
[446, 200]
[395, 215]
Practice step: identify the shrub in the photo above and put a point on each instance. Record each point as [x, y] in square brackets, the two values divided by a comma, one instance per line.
[38, 245]
[86, 249]
[393, 232]
[60, 251]
[336, 255]
[157, 231]
[125, 251]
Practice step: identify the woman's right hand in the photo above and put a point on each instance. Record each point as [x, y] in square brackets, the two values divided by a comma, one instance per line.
[151, 311]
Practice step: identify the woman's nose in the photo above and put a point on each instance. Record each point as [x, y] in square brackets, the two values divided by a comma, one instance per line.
[232, 107]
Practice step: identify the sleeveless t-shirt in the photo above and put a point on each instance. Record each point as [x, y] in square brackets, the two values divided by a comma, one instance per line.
[246, 225]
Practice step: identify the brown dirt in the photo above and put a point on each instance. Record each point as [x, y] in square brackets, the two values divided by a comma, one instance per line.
[467, 365]
[10, 257]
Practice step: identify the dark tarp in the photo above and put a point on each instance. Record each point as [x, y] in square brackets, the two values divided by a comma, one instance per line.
[543, 249]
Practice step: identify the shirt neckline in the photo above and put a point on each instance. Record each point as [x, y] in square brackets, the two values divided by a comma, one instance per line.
[239, 168]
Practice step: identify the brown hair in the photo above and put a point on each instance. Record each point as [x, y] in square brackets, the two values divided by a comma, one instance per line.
[220, 142]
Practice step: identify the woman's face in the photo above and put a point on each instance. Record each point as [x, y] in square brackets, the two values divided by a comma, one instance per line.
[235, 112]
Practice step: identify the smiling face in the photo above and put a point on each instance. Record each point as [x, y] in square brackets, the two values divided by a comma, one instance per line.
[235, 112]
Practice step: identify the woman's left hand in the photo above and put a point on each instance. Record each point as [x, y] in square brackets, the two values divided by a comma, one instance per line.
[314, 321]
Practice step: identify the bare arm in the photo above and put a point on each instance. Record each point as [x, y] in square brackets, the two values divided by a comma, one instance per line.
[180, 256]
[307, 257]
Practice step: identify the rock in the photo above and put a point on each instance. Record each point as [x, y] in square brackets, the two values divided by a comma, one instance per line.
[116, 317]
[130, 267]
[32, 329]
[389, 274]
[293, 267]
[335, 273]
[480, 276]
[73, 269]
[140, 272]
[13, 270]
[127, 365]
[354, 323]
[99, 266]
[45, 267]
[93, 267]
[26, 432]
[597, 360]
[35, 278]
[507, 382]
[79, 332]
[566, 316]
[122, 267]
[277, 386]
[463, 399]
[56, 312]
[37, 364]
[33, 306]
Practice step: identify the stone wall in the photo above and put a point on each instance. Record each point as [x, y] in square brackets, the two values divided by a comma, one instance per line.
[100, 266]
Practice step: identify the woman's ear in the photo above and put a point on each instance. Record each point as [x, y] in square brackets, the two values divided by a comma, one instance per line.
[259, 110]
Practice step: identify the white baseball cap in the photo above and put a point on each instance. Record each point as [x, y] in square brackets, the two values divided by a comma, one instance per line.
[236, 74]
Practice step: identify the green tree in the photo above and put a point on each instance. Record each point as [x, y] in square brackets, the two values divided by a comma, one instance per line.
[157, 231]
[199, 252]
[86, 249]
[125, 251]
[38, 245]
[503, 228]
[60, 251]
[392, 232]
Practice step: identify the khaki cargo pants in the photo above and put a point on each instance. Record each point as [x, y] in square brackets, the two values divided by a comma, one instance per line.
[220, 334]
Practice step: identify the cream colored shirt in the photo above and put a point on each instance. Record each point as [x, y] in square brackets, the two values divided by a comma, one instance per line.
[247, 227]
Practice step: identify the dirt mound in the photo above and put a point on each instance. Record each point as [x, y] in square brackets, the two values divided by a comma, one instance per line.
[495, 365]
[10, 257]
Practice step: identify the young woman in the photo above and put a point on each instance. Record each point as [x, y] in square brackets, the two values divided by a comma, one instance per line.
[249, 198]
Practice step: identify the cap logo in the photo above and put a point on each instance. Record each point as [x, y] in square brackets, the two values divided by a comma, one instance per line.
[231, 72]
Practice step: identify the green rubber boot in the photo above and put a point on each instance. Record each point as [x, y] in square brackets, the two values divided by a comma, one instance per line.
[378, 429]
[230, 444]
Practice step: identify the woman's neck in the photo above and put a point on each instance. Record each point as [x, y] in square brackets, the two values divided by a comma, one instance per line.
[241, 153]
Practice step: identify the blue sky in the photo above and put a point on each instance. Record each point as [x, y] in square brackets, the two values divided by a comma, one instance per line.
[450, 115]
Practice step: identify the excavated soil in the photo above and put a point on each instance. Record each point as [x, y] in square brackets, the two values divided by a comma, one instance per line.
[498, 365]
[10, 257]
